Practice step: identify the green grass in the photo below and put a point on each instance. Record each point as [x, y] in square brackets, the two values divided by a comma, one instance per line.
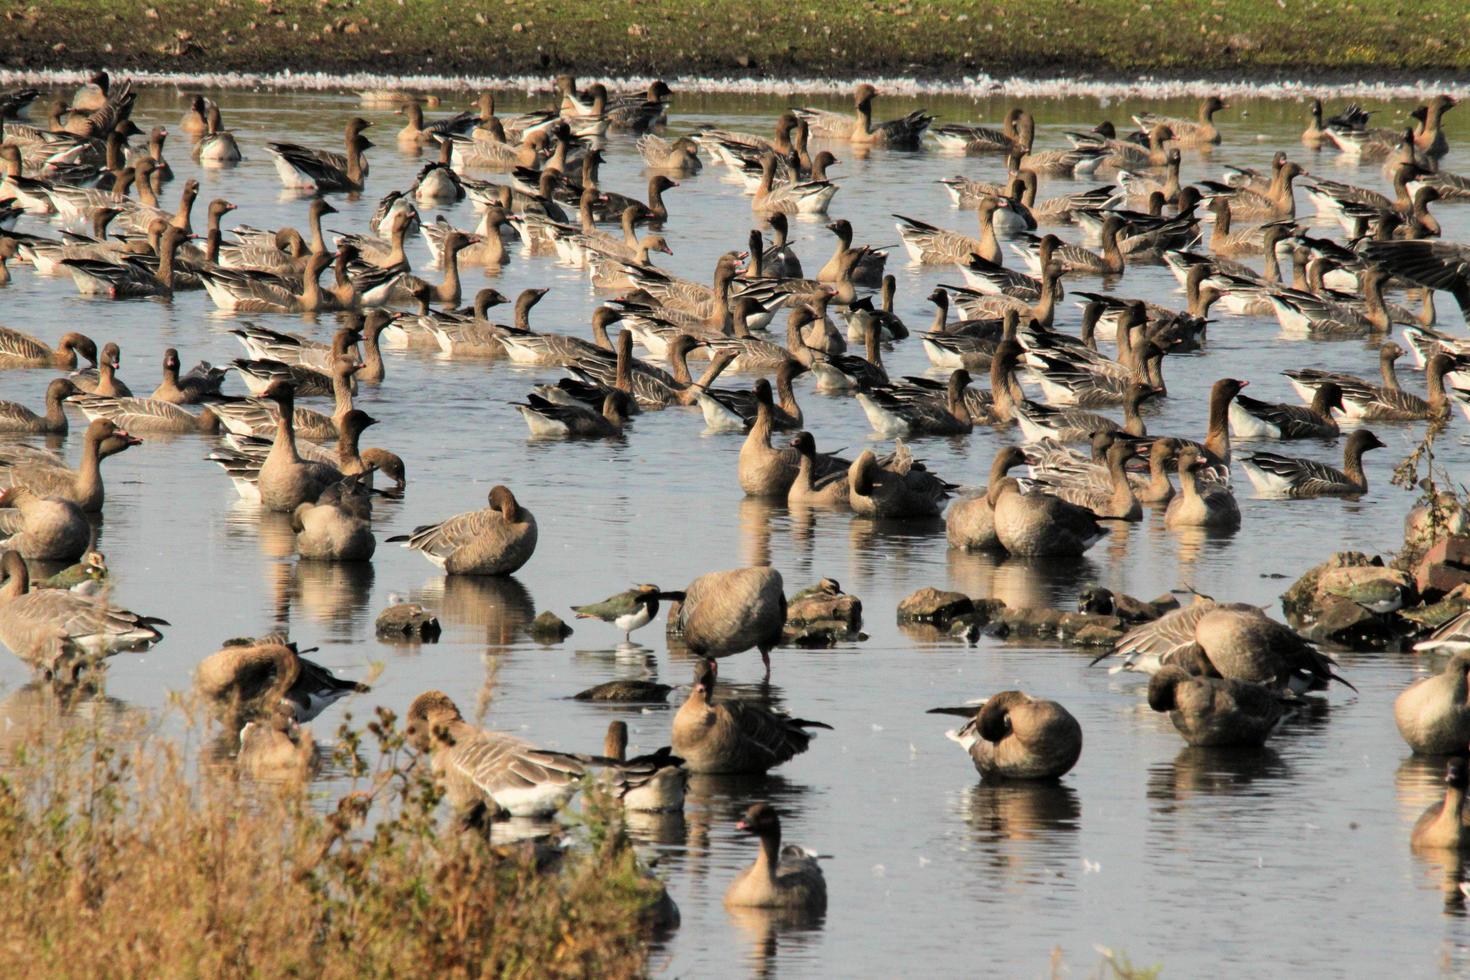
[653, 37]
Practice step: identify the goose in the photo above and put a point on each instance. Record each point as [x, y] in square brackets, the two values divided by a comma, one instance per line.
[250, 677]
[286, 480]
[904, 133]
[787, 878]
[1430, 139]
[1425, 262]
[970, 523]
[415, 132]
[1442, 825]
[1306, 312]
[83, 486]
[1038, 524]
[15, 418]
[628, 611]
[51, 529]
[1215, 711]
[893, 491]
[253, 291]
[217, 147]
[845, 372]
[1232, 640]
[1200, 504]
[337, 526]
[680, 156]
[1251, 418]
[145, 415]
[548, 419]
[626, 692]
[1225, 242]
[930, 245]
[867, 271]
[495, 541]
[651, 388]
[734, 736]
[1433, 713]
[765, 471]
[475, 336]
[1290, 476]
[930, 414]
[320, 171]
[889, 322]
[977, 140]
[1188, 132]
[797, 197]
[728, 612]
[258, 416]
[560, 349]
[56, 630]
[1277, 202]
[829, 491]
[1351, 119]
[779, 259]
[19, 350]
[653, 783]
[728, 410]
[1357, 393]
[1076, 259]
[1013, 735]
[1370, 403]
[490, 770]
[437, 182]
[1115, 501]
[276, 749]
[1064, 424]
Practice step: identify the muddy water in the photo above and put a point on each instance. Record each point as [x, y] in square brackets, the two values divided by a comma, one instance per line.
[1292, 859]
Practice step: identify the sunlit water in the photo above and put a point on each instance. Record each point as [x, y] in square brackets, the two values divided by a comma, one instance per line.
[1289, 860]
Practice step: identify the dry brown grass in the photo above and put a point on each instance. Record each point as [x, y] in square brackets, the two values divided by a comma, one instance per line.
[118, 858]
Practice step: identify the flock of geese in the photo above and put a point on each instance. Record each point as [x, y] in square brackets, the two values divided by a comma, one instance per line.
[79, 199]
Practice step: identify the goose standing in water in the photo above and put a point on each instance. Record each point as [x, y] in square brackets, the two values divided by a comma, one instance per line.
[494, 541]
[781, 877]
[1038, 524]
[1214, 711]
[1433, 713]
[1015, 736]
[734, 736]
[724, 613]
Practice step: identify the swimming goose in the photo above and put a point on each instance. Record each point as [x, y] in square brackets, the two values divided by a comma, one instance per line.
[1116, 500]
[650, 387]
[787, 878]
[680, 156]
[734, 736]
[82, 486]
[1251, 418]
[1433, 713]
[1442, 825]
[895, 490]
[905, 133]
[16, 418]
[1015, 736]
[977, 140]
[494, 541]
[1352, 118]
[628, 611]
[338, 525]
[250, 677]
[103, 379]
[846, 372]
[548, 419]
[490, 770]
[930, 245]
[51, 529]
[146, 415]
[652, 783]
[320, 171]
[1290, 476]
[276, 748]
[1065, 424]
[1200, 504]
[1426, 262]
[135, 275]
[926, 415]
[476, 152]
[1224, 241]
[1365, 402]
[1430, 139]
[727, 410]
[286, 480]
[765, 471]
[56, 630]
[217, 147]
[414, 131]
[1075, 258]
[1188, 132]
[18, 350]
[970, 523]
[560, 349]
[1215, 711]
[797, 197]
[438, 183]
[1278, 201]
[1038, 524]
[828, 491]
[258, 416]
[866, 271]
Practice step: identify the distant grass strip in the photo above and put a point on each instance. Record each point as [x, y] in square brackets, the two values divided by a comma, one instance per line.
[1292, 38]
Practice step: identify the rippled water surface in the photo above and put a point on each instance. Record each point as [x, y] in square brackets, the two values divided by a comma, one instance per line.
[1291, 860]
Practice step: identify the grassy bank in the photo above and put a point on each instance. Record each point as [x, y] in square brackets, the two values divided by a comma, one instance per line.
[120, 857]
[641, 37]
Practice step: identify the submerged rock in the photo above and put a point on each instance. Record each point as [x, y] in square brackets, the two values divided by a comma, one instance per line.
[407, 621]
[931, 605]
[549, 628]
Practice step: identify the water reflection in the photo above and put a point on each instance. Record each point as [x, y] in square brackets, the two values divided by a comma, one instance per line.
[1200, 771]
[773, 933]
[40, 710]
[1024, 828]
[499, 604]
[330, 593]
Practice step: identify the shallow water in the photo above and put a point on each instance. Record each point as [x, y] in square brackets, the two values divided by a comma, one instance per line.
[1293, 859]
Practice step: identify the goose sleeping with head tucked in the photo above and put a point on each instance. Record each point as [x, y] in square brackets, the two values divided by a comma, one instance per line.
[1015, 736]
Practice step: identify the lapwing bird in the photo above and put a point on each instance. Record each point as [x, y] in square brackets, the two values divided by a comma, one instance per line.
[627, 611]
